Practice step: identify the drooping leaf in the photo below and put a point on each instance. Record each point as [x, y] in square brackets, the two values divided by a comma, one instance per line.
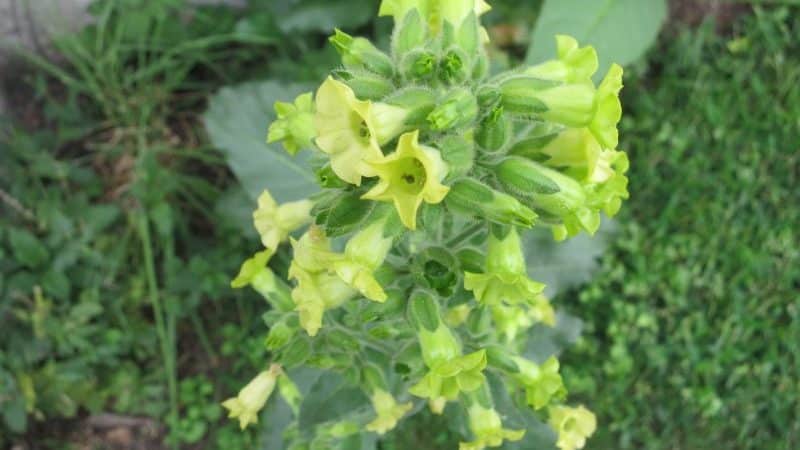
[620, 30]
[237, 120]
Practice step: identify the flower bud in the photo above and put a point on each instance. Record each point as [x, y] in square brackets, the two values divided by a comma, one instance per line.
[494, 131]
[458, 151]
[567, 104]
[573, 426]
[252, 397]
[502, 359]
[454, 67]
[479, 323]
[294, 125]
[423, 311]
[360, 53]
[418, 64]
[297, 352]
[279, 335]
[471, 259]
[458, 108]
[488, 96]
[553, 195]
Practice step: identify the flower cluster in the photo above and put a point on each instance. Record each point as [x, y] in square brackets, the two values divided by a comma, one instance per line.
[408, 277]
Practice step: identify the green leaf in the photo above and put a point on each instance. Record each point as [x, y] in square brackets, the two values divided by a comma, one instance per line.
[237, 120]
[325, 15]
[620, 30]
[27, 249]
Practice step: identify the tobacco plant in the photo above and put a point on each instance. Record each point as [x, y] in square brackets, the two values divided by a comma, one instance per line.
[408, 279]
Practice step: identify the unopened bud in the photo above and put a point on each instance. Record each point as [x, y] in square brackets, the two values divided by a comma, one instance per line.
[458, 151]
[540, 187]
[458, 108]
[418, 64]
[360, 53]
[471, 197]
[367, 85]
[454, 67]
[423, 311]
[502, 359]
[567, 104]
[279, 335]
[494, 131]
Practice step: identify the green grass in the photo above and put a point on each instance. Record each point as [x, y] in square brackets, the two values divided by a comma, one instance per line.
[693, 338]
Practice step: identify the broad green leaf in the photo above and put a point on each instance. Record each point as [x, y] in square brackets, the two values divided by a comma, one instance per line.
[325, 15]
[237, 120]
[620, 30]
[26, 248]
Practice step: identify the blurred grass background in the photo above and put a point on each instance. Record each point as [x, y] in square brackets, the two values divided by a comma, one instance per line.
[120, 227]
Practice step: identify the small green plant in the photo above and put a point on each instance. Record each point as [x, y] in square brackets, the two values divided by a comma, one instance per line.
[408, 290]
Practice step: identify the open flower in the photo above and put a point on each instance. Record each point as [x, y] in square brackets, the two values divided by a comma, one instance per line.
[252, 397]
[573, 426]
[610, 183]
[388, 410]
[608, 109]
[351, 131]
[435, 11]
[410, 175]
[254, 272]
[542, 382]
[511, 320]
[505, 279]
[574, 64]
[294, 125]
[274, 223]
[488, 430]
[363, 254]
[447, 378]
[317, 289]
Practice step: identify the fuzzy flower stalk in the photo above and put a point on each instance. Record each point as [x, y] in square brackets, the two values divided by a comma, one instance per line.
[404, 286]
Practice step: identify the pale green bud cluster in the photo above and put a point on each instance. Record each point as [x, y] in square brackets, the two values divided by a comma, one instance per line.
[410, 280]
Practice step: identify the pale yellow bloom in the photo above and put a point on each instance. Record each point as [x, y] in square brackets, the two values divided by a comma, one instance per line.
[351, 131]
[274, 222]
[410, 175]
[251, 398]
[388, 410]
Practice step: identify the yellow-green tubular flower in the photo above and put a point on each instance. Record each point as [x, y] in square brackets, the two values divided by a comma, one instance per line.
[447, 378]
[542, 382]
[558, 199]
[573, 426]
[573, 151]
[408, 176]
[254, 272]
[388, 410]
[574, 64]
[609, 183]
[435, 11]
[571, 104]
[363, 254]
[488, 429]
[608, 109]
[351, 131]
[360, 53]
[505, 279]
[252, 397]
[317, 290]
[295, 124]
[274, 223]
